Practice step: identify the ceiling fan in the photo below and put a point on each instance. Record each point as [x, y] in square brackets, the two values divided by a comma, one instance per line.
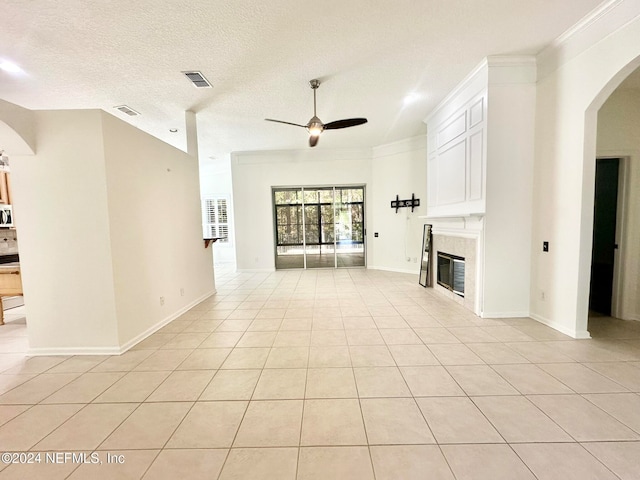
[315, 126]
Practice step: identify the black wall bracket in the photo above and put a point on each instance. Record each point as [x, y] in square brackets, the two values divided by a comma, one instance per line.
[413, 202]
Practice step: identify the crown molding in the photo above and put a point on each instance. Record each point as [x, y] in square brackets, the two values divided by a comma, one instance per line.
[608, 17]
[585, 22]
[514, 69]
[405, 145]
[466, 82]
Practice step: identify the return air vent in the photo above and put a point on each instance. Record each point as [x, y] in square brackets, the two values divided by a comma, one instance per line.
[128, 110]
[198, 79]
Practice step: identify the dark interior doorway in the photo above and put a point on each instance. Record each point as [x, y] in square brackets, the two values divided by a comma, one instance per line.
[604, 235]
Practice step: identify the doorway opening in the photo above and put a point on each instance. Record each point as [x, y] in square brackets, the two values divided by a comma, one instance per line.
[605, 213]
[319, 227]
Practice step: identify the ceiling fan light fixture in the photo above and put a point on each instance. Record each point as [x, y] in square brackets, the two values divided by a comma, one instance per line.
[315, 126]
[315, 130]
[411, 98]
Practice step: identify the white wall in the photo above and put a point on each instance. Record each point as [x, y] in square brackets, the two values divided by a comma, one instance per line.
[399, 169]
[254, 173]
[109, 220]
[507, 222]
[155, 229]
[568, 98]
[61, 213]
[618, 127]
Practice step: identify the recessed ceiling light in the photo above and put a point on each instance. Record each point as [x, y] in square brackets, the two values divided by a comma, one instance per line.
[9, 67]
[411, 98]
[173, 130]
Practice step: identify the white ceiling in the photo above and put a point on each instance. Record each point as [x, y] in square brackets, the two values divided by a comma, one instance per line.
[259, 56]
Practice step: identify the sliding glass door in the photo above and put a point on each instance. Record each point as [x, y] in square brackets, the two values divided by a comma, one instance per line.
[349, 227]
[319, 227]
[289, 228]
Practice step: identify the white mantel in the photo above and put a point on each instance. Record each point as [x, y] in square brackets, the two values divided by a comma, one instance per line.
[468, 226]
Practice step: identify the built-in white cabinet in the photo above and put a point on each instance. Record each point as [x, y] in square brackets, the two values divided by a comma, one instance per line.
[456, 159]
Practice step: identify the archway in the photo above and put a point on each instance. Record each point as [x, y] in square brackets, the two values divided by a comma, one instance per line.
[17, 139]
[17, 129]
[589, 182]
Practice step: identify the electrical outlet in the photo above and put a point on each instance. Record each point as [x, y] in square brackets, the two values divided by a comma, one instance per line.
[182, 292]
[161, 301]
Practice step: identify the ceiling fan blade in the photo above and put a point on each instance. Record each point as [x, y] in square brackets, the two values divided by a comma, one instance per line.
[313, 140]
[286, 123]
[347, 122]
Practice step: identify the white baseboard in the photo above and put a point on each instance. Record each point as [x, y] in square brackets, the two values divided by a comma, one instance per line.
[397, 270]
[117, 350]
[38, 352]
[153, 329]
[257, 270]
[505, 314]
[578, 334]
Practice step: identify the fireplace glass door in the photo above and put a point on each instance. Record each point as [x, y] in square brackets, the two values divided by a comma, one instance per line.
[451, 272]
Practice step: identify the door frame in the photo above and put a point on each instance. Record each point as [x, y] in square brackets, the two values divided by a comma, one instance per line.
[623, 193]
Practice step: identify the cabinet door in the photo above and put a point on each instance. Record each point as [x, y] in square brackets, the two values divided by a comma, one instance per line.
[7, 177]
[4, 191]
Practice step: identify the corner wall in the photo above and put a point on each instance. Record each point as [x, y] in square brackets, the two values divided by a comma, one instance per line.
[155, 230]
[398, 168]
[507, 222]
[61, 212]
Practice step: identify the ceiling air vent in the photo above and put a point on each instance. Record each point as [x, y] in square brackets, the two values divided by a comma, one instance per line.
[129, 111]
[198, 79]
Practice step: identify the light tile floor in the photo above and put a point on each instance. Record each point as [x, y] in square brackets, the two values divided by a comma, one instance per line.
[336, 374]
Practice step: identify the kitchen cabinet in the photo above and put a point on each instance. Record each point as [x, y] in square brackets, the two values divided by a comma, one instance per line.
[10, 284]
[5, 187]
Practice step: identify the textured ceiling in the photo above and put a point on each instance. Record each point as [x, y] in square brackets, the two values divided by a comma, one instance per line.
[259, 56]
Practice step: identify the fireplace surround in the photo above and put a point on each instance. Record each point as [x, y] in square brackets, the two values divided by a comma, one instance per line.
[463, 244]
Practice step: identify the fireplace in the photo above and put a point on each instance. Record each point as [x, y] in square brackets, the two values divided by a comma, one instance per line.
[451, 272]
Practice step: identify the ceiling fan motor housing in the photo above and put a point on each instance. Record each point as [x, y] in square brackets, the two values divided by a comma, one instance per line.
[315, 126]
